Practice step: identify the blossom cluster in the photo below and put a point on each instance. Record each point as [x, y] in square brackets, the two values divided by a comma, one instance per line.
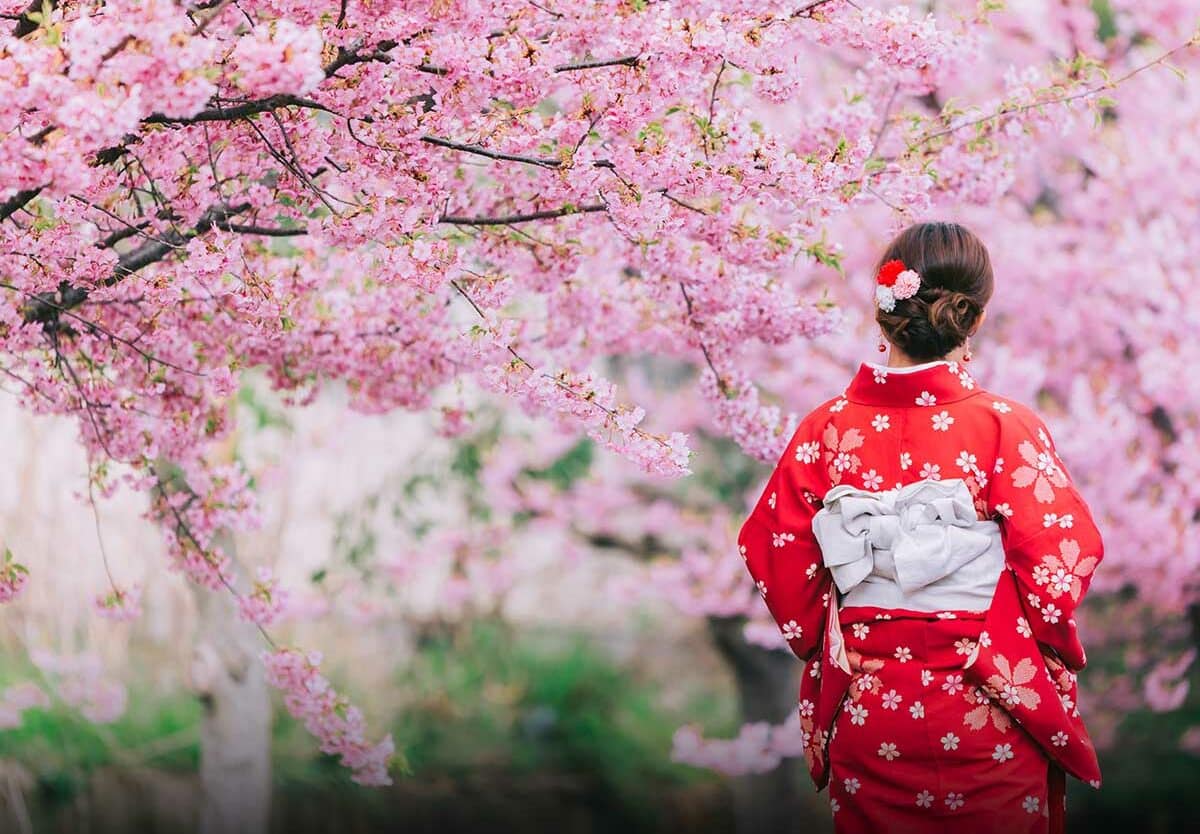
[266, 601]
[758, 747]
[13, 576]
[120, 604]
[338, 726]
[80, 681]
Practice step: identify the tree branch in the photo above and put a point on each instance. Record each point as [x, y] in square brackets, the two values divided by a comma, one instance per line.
[17, 201]
[239, 111]
[807, 9]
[47, 309]
[547, 214]
[153, 251]
[265, 231]
[26, 25]
[346, 57]
[480, 150]
[626, 61]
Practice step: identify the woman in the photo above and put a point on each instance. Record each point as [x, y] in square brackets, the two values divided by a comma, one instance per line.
[922, 535]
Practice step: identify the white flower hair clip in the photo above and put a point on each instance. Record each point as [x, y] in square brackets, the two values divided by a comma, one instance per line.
[895, 282]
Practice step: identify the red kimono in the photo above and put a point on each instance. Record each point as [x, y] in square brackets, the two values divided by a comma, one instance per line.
[921, 721]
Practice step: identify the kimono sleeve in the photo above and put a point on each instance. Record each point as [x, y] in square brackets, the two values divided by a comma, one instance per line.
[781, 553]
[1051, 541]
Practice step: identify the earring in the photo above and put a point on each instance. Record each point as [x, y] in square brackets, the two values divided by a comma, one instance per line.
[967, 352]
[882, 344]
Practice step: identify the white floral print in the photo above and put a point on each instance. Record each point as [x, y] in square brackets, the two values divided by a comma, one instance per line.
[889, 751]
[808, 452]
[942, 421]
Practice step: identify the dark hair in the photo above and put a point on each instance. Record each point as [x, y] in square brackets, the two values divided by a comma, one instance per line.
[956, 284]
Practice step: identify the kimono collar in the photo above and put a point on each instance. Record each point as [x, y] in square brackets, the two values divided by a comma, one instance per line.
[932, 383]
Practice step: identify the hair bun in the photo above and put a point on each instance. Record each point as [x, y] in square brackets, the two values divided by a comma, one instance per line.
[952, 314]
[955, 285]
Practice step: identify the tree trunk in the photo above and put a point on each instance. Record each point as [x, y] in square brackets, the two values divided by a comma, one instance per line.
[767, 681]
[235, 736]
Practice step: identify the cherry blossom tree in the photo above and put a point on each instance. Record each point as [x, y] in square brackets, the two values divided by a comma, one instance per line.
[414, 200]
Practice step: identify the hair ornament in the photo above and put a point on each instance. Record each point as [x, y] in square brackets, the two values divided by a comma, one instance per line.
[895, 282]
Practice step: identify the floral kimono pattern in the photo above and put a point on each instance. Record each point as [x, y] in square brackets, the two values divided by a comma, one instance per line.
[914, 695]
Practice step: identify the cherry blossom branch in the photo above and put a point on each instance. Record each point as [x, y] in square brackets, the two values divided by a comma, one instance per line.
[17, 202]
[479, 150]
[508, 220]
[692, 323]
[265, 231]
[26, 25]
[626, 61]
[154, 251]
[348, 57]
[181, 525]
[808, 8]
[1003, 113]
[558, 382]
[238, 111]
[45, 299]
[70, 297]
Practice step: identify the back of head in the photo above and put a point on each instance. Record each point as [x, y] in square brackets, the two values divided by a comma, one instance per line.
[956, 285]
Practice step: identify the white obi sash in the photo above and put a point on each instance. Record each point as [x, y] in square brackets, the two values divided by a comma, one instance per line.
[920, 547]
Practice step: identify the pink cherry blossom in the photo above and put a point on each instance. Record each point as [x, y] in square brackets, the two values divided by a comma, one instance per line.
[265, 602]
[338, 726]
[13, 576]
[120, 604]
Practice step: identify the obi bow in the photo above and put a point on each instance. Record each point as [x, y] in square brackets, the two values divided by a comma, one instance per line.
[914, 535]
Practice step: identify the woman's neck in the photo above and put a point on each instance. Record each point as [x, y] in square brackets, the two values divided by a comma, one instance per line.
[899, 359]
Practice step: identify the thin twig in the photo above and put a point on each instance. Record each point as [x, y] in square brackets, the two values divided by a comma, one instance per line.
[1063, 99]
[558, 382]
[479, 150]
[507, 220]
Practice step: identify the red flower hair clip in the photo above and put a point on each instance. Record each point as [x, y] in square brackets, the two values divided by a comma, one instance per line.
[895, 282]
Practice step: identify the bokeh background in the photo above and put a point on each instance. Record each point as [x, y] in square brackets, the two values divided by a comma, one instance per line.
[556, 639]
